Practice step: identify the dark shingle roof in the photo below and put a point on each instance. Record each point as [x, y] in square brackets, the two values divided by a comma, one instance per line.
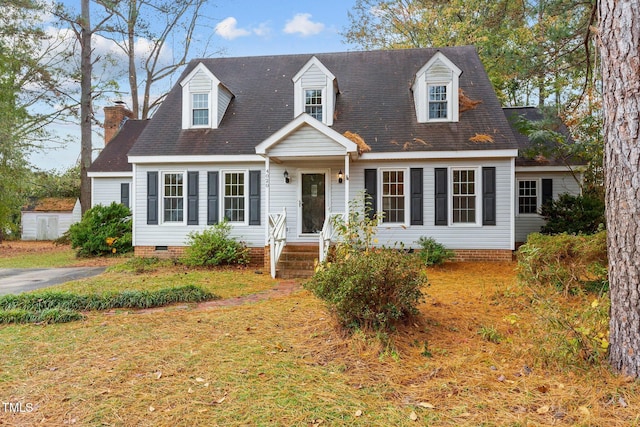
[113, 157]
[375, 101]
[534, 114]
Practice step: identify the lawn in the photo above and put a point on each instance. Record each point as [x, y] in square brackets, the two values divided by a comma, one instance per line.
[283, 361]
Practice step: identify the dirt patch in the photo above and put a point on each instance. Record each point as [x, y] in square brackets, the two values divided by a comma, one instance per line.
[17, 247]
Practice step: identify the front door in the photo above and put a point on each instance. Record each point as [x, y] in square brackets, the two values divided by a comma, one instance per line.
[313, 202]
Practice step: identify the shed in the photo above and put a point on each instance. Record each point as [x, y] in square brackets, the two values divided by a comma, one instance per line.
[49, 218]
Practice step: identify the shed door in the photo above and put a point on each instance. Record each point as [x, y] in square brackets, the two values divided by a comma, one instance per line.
[47, 228]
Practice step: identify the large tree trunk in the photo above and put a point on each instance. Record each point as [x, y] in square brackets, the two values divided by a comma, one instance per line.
[620, 47]
[85, 106]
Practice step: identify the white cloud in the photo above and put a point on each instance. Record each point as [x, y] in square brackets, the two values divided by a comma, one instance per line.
[301, 23]
[262, 30]
[228, 29]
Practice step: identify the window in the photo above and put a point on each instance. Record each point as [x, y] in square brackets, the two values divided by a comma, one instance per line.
[528, 197]
[173, 197]
[234, 196]
[438, 106]
[464, 196]
[200, 109]
[313, 103]
[393, 200]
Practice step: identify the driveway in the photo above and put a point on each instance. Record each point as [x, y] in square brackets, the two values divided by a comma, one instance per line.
[17, 280]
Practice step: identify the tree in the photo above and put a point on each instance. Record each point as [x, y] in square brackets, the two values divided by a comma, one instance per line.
[620, 51]
[133, 21]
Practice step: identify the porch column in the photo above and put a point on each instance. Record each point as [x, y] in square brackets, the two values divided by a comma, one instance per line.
[346, 183]
[267, 186]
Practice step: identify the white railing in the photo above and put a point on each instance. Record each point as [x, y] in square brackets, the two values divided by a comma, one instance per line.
[277, 238]
[326, 235]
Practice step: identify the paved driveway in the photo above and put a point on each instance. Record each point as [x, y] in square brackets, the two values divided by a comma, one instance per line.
[17, 280]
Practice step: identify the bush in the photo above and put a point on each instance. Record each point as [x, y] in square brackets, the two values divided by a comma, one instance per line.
[213, 247]
[573, 215]
[104, 230]
[373, 289]
[363, 286]
[432, 252]
[564, 261]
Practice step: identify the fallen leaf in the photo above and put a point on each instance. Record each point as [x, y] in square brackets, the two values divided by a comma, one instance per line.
[206, 384]
[219, 401]
[542, 410]
[501, 378]
[413, 416]
[584, 410]
[190, 390]
[358, 413]
[543, 389]
[151, 409]
[426, 405]
[200, 380]
[158, 375]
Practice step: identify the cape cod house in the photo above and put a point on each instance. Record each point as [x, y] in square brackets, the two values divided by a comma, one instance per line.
[277, 145]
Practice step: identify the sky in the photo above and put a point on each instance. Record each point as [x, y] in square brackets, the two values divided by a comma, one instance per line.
[235, 28]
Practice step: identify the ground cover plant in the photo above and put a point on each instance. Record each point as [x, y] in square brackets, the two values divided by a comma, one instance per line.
[284, 362]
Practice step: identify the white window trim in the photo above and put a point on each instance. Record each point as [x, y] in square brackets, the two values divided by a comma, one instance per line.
[323, 92]
[223, 174]
[184, 198]
[538, 197]
[407, 197]
[448, 85]
[191, 108]
[477, 193]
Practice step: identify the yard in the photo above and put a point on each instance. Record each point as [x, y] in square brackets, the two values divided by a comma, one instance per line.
[471, 359]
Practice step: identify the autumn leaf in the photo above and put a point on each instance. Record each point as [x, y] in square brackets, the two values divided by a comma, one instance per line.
[413, 416]
[426, 405]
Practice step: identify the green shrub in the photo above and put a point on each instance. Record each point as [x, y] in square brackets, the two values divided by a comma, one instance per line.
[46, 316]
[373, 289]
[573, 215]
[213, 246]
[432, 252]
[564, 261]
[104, 230]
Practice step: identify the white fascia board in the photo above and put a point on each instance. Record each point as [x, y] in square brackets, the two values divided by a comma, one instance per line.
[440, 56]
[467, 154]
[297, 123]
[196, 69]
[313, 61]
[110, 174]
[575, 168]
[232, 158]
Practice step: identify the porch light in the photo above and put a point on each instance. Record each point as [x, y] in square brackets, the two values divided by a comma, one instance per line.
[286, 176]
[340, 177]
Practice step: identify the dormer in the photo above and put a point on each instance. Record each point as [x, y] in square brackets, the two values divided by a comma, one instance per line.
[204, 99]
[435, 90]
[315, 91]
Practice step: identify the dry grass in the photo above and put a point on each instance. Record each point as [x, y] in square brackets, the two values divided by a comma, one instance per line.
[283, 362]
[36, 254]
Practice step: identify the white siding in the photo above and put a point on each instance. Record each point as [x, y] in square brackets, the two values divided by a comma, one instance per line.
[314, 77]
[307, 141]
[224, 98]
[176, 235]
[454, 237]
[200, 83]
[107, 190]
[563, 183]
[439, 71]
[45, 225]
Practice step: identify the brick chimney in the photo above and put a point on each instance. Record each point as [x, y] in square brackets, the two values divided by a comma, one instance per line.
[114, 118]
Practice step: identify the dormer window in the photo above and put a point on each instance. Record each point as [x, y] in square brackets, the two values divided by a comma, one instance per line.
[438, 102]
[204, 99]
[435, 90]
[200, 109]
[315, 91]
[313, 103]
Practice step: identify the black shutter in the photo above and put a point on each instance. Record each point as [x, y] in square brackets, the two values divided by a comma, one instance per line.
[254, 197]
[547, 190]
[192, 198]
[441, 217]
[371, 187]
[212, 198]
[416, 197]
[489, 196]
[124, 194]
[152, 198]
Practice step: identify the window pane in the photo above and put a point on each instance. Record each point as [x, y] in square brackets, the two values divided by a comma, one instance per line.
[313, 103]
[173, 202]
[393, 196]
[200, 109]
[527, 197]
[464, 197]
[438, 102]
[234, 201]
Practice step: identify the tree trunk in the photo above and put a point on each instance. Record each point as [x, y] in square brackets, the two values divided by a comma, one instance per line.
[85, 106]
[620, 49]
[133, 74]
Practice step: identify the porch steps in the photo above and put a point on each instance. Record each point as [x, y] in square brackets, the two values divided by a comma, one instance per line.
[297, 261]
